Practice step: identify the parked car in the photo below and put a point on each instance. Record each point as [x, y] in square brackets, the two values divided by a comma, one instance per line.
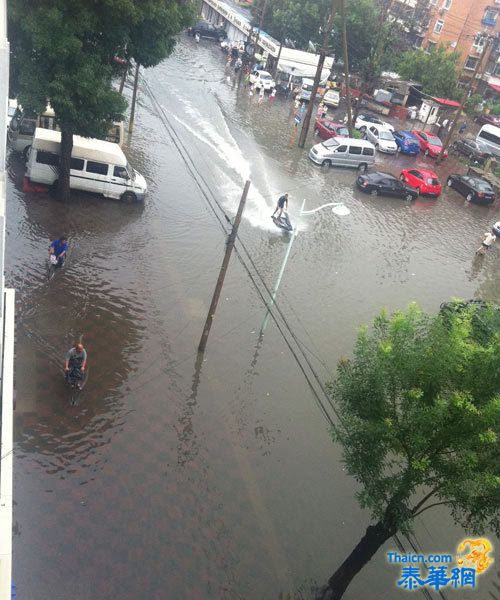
[208, 30]
[470, 148]
[306, 88]
[326, 129]
[381, 138]
[407, 142]
[331, 98]
[424, 181]
[385, 184]
[430, 144]
[366, 119]
[474, 189]
[262, 79]
[488, 120]
[343, 152]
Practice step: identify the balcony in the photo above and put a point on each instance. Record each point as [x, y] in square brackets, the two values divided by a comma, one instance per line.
[489, 21]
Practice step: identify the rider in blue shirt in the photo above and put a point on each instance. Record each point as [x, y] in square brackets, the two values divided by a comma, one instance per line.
[59, 248]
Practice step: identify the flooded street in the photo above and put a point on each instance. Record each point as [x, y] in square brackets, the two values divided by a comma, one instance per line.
[178, 480]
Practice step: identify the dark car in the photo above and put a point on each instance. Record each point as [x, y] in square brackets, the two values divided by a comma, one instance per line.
[474, 189]
[488, 120]
[470, 148]
[208, 30]
[407, 143]
[385, 184]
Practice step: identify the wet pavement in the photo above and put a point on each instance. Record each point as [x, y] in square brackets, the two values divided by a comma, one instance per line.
[173, 479]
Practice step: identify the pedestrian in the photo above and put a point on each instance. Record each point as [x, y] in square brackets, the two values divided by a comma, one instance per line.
[488, 241]
[261, 95]
[463, 127]
[445, 123]
[250, 93]
[197, 37]
[272, 95]
[281, 204]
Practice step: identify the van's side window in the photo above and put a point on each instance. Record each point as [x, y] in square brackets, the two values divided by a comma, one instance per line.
[355, 149]
[77, 164]
[27, 127]
[368, 152]
[120, 172]
[97, 167]
[47, 158]
[342, 148]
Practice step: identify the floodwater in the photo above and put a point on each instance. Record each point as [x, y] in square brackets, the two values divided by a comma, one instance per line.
[174, 479]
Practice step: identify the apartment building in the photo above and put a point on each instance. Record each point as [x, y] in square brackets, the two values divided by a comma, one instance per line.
[466, 26]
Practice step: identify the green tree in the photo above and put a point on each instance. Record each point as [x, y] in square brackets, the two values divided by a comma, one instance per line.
[63, 52]
[420, 412]
[436, 71]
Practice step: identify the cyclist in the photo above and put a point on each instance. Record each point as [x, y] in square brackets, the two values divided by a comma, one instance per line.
[59, 248]
[76, 362]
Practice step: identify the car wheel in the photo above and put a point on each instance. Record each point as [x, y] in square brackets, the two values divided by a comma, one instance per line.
[426, 152]
[26, 153]
[326, 163]
[418, 191]
[53, 187]
[398, 149]
[376, 145]
[374, 192]
[449, 182]
[409, 197]
[362, 167]
[128, 197]
[469, 197]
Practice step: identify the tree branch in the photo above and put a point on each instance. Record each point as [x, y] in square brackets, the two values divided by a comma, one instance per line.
[424, 499]
[430, 506]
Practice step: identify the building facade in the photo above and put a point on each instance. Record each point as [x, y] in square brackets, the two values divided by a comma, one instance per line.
[471, 28]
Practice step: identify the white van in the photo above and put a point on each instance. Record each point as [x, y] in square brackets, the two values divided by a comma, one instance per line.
[96, 166]
[23, 124]
[344, 152]
[488, 139]
[305, 90]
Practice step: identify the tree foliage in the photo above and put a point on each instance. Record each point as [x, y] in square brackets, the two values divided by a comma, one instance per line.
[63, 53]
[420, 409]
[436, 71]
[298, 21]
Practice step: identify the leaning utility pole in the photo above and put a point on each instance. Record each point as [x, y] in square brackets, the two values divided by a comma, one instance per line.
[347, 81]
[261, 23]
[222, 273]
[134, 98]
[321, 61]
[469, 89]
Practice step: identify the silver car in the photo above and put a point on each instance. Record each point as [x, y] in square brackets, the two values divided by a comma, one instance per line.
[381, 138]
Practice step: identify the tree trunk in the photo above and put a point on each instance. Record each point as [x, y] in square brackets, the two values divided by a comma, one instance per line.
[374, 537]
[63, 192]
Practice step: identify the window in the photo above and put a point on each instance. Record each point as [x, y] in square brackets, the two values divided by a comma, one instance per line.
[120, 172]
[490, 17]
[446, 4]
[471, 62]
[368, 152]
[113, 135]
[27, 127]
[97, 167]
[478, 44]
[490, 137]
[416, 174]
[354, 149]
[47, 158]
[438, 27]
[341, 148]
[431, 46]
[496, 70]
[77, 164]
[433, 2]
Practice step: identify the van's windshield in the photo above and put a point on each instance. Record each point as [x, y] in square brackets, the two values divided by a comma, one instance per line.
[330, 143]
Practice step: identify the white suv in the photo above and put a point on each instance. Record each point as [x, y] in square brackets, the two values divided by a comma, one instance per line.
[262, 79]
[382, 138]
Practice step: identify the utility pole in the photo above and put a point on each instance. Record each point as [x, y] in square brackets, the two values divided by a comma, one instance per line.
[134, 98]
[469, 89]
[222, 273]
[321, 61]
[261, 23]
[347, 81]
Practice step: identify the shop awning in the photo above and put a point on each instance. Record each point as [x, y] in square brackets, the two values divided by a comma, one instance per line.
[447, 102]
[495, 88]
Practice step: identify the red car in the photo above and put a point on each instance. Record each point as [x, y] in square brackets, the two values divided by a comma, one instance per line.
[430, 144]
[327, 129]
[424, 181]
